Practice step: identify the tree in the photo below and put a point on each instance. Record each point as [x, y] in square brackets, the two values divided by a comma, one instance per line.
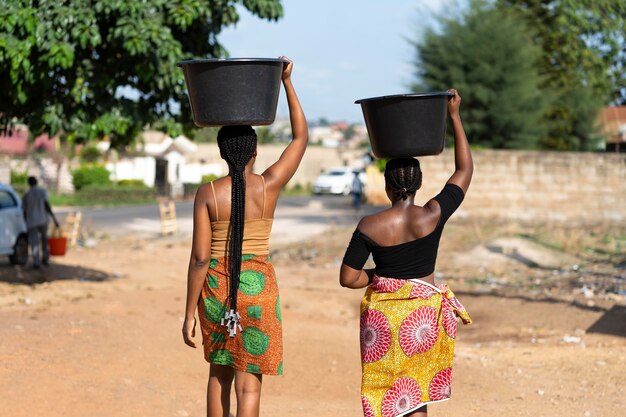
[87, 69]
[583, 61]
[487, 54]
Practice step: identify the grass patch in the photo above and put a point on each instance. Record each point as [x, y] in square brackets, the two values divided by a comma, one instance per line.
[297, 191]
[105, 195]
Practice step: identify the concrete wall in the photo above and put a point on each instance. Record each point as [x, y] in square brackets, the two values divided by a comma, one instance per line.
[529, 185]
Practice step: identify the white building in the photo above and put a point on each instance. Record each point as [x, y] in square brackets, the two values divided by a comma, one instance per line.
[167, 163]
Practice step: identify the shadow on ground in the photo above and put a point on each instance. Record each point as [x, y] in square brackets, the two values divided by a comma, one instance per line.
[613, 322]
[54, 272]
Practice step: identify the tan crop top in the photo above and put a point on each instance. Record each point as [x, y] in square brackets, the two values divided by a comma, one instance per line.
[256, 233]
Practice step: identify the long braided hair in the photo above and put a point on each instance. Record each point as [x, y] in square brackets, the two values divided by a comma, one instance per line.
[237, 146]
[403, 177]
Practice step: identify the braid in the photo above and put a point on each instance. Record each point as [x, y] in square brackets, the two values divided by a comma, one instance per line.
[237, 145]
[403, 176]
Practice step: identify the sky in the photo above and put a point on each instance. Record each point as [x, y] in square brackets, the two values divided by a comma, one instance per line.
[342, 50]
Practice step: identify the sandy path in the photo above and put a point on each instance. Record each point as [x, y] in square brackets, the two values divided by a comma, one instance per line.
[113, 348]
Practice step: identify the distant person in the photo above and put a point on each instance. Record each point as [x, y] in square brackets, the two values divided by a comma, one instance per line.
[36, 210]
[231, 280]
[408, 322]
[357, 191]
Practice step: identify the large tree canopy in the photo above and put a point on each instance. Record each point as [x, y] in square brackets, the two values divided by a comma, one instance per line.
[89, 68]
[583, 61]
[487, 54]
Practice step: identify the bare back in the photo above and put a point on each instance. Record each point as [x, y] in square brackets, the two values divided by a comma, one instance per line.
[260, 199]
[397, 225]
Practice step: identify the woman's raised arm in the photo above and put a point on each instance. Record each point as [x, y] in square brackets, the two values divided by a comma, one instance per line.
[282, 170]
[464, 166]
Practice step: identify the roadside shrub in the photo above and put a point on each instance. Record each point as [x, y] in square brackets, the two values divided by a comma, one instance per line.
[20, 188]
[89, 175]
[19, 178]
[90, 153]
[208, 178]
[190, 189]
[109, 195]
[132, 183]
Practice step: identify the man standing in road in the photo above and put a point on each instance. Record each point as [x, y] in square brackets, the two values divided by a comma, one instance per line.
[357, 191]
[36, 210]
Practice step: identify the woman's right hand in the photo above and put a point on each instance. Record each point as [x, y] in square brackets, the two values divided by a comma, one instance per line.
[189, 331]
[287, 67]
[454, 103]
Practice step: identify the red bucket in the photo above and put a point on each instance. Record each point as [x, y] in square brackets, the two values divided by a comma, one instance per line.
[58, 245]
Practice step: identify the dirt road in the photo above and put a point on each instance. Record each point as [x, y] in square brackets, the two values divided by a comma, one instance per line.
[102, 338]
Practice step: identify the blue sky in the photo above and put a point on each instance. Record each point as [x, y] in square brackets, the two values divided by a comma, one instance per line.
[343, 50]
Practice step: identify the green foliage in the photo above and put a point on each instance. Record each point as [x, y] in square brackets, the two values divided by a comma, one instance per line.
[112, 195]
[89, 69]
[132, 183]
[204, 135]
[297, 190]
[90, 153]
[19, 178]
[582, 60]
[488, 55]
[209, 178]
[105, 195]
[90, 175]
[381, 164]
[264, 135]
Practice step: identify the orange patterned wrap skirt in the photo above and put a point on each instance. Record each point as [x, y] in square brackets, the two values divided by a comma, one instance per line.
[258, 348]
[408, 331]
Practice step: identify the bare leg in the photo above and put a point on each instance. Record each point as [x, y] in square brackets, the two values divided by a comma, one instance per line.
[218, 391]
[248, 390]
[422, 412]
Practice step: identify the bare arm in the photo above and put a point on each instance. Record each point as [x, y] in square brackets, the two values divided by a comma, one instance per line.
[354, 278]
[464, 166]
[49, 210]
[282, 170]
[198, 262]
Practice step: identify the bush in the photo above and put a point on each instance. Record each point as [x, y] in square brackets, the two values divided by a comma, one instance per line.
[208, 178]
[90, 153]
[20, 189]
[89, 175]
[132, 183]
[19, 178]
[109, 195]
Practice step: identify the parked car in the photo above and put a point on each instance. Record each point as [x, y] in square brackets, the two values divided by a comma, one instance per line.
[337, 181]
[13, 237]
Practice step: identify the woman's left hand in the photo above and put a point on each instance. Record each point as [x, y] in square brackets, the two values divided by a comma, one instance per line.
[287, 67]
[189, 331]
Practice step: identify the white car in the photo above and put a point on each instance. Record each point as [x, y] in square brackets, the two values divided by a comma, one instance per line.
[337, 181]
[13, 237]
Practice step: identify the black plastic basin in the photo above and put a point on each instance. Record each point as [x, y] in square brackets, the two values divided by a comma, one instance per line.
[406, 125]
[238, 91]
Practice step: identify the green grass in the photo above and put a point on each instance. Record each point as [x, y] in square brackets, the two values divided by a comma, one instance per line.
[297, 191]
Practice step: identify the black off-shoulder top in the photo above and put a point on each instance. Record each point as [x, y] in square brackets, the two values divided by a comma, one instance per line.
[414, 259]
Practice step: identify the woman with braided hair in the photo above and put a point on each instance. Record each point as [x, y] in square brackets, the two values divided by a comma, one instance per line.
[231, 280]
[408, 322]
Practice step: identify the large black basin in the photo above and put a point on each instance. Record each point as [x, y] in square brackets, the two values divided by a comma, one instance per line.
[238, 91]
[406, 125]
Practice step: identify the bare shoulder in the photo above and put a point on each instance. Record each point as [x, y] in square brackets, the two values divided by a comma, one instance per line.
[204, 193]
[369, 224]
